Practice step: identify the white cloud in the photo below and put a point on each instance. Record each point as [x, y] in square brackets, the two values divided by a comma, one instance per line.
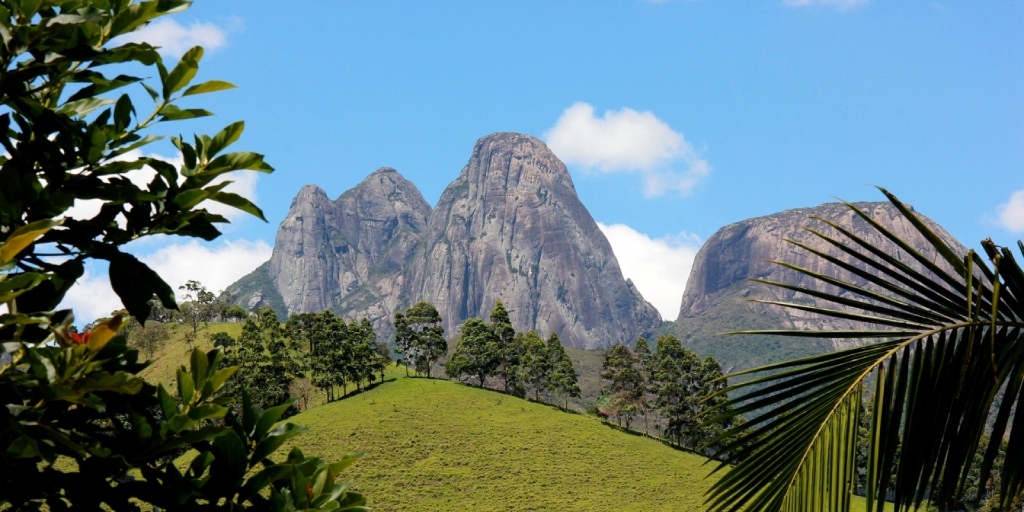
[1011, 214]
[628, 141]
[242, 183]
[91, 297]
[838, 4]
[216, 267]
[174, 39]
[658, 267]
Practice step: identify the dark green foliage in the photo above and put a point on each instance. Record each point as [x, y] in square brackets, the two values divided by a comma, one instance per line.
[75, 399]
[332, 353]
[328, 344]
[510, 352]
[948, 344]
[677, 387]
[477, 353]
[69, 131]
[262, 360]
[626, 385]
[235, 313]
[563, 379]
[419, 337]
[222, 340]
[536, 366]
[363, 349]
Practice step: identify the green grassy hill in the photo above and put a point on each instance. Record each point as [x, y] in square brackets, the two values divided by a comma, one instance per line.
[175, 351]
[438, 445]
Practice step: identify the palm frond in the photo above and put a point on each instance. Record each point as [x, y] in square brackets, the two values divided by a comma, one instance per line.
[949, 357]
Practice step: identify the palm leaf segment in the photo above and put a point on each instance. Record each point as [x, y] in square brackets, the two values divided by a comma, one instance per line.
[946, 366]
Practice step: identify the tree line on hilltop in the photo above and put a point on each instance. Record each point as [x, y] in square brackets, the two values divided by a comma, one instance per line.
[670, 388]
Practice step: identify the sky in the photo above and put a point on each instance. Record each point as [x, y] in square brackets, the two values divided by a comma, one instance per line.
[675, 118]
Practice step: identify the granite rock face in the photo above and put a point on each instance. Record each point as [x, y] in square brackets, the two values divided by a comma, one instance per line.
[511, 227]
[746, 249]
[349, 255]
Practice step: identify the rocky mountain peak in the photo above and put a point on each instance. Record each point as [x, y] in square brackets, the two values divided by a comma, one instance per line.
[511, 227]
[714, 298]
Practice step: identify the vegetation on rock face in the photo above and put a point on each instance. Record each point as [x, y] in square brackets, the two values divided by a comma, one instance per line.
[945, 378]
[70, 132]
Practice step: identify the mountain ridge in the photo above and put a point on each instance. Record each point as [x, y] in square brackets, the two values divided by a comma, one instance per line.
[509, 227]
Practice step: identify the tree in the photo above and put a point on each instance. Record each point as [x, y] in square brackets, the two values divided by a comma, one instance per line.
[363, 349]
[947, 368]
[712, 382]
[419, 337]
[404, 342]
[262, 365]
[509, 351]
[147, 338]
[626, 385]
[645, 363]
[222, 340]
[235, 313]
[70, 131]
[536, 363]
[677, 388]
[477, 352]
[327, 336]
[382, 360]
[197, 307]
[564, 380]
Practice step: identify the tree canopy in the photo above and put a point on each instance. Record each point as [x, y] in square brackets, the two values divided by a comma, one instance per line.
[71, 132]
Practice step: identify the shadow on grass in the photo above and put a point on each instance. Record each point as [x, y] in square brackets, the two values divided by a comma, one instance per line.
[356, 392]
[661, 440]
[504, 394]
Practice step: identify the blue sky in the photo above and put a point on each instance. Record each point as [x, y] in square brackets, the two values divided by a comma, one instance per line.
[675, 117]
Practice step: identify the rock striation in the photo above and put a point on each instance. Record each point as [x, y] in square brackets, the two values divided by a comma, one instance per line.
[718, 280]
[510, 227]
[350, 255]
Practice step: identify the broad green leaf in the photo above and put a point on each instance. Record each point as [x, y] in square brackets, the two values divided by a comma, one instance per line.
[225, 138]
[210, 86]
[239, 202]
[22, 237]
[135, 283]
[186, 387]
[84, 107]
[183, 72]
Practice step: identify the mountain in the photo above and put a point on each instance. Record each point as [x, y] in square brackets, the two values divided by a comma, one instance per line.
[510, 227]
[713, 300]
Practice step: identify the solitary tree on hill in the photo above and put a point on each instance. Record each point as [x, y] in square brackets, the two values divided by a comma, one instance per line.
[197, 308]
[419, 336]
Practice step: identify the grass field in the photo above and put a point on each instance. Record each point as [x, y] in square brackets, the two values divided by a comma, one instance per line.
[439, 445]
[175, 352]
